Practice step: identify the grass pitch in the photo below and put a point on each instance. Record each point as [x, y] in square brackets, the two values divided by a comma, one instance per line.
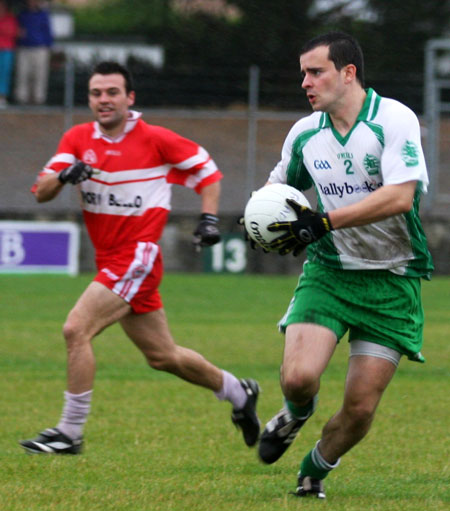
[156, 443]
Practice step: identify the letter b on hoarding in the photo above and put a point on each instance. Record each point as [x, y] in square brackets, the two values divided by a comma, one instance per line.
[36, 247]
[11, 247]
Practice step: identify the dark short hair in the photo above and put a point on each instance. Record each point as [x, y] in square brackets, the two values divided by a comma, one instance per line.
[343, 49]
[109, 67]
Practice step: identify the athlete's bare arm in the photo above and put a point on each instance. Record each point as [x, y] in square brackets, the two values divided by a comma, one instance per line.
[48, 187]
[210, 198]
[386, 201]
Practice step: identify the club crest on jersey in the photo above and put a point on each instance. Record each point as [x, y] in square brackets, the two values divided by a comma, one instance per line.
[410, 154]
[371, 164]
[90, 157]
[138, 271]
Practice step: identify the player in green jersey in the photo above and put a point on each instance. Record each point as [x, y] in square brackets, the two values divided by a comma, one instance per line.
[366, 252]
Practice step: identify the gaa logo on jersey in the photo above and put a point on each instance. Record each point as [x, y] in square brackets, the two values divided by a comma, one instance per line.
[322, 165]
[90, 157]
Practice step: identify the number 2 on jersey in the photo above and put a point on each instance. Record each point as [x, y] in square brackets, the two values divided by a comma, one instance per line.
[348, 165]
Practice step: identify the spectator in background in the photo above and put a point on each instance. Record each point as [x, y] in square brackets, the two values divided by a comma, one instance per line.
[33, 53]
[8, 35]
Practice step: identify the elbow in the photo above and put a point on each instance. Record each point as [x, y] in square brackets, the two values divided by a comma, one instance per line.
[402, 198]
[41, 197]
[405, 205]
[38, 197]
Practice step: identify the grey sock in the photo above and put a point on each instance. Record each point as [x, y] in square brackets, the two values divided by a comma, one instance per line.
[75, 412]
[232, 391]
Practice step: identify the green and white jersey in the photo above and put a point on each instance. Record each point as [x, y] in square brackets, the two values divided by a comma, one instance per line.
[382, 148]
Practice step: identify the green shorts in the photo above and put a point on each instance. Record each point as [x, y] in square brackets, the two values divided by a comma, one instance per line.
[372, 305]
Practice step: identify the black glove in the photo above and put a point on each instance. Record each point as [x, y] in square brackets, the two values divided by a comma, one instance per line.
[76, 173]
[309, 227]
[207, 232]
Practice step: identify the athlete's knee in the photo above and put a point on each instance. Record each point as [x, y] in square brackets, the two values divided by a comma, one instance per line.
[299, 383]
[74, 332]
[70, 331]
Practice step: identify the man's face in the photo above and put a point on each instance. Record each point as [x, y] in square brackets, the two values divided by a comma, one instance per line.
[323, 83]
[109, 101]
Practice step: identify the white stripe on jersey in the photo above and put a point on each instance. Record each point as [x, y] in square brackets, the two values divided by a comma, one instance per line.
[152, 173]
[200, 158]
[371, 107]
[133, 192]
[46, 170]
[62, 158]
[131, 198]
[131, 175]
[139, 269]
[194, 179]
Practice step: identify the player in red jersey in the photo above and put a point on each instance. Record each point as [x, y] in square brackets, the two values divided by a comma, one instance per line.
[125, 168]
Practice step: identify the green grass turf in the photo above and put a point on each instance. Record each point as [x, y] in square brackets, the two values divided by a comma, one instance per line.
[154, 442]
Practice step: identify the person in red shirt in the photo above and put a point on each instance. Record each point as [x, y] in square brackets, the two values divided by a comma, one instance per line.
[125, 168]
[8, 34]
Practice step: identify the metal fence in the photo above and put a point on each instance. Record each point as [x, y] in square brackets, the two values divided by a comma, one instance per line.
[251, 92]
[245, 137]
[437, 110]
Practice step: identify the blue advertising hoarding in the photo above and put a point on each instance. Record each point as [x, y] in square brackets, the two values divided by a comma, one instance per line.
[39, 247]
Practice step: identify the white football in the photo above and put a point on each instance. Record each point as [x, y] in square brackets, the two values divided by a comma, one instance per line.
[268, 205]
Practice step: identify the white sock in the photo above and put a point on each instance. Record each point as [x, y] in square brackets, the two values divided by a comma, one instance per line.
[320, 461]
[232, 391]
[75, 412]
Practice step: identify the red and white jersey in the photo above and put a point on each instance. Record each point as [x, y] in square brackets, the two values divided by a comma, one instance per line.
[128, 198]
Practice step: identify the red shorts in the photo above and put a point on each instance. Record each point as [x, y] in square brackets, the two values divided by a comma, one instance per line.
[134, 274]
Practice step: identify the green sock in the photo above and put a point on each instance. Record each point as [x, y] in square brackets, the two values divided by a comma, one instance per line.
[315, 466]
[302, 412]
[308, 468]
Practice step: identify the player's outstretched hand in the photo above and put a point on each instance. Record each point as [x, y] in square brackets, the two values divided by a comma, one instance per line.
[207, 232]
[76, 173]
[309, 227]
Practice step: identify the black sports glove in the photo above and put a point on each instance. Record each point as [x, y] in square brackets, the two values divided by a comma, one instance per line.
[309, 227]
[207, 232]
[76, 173]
